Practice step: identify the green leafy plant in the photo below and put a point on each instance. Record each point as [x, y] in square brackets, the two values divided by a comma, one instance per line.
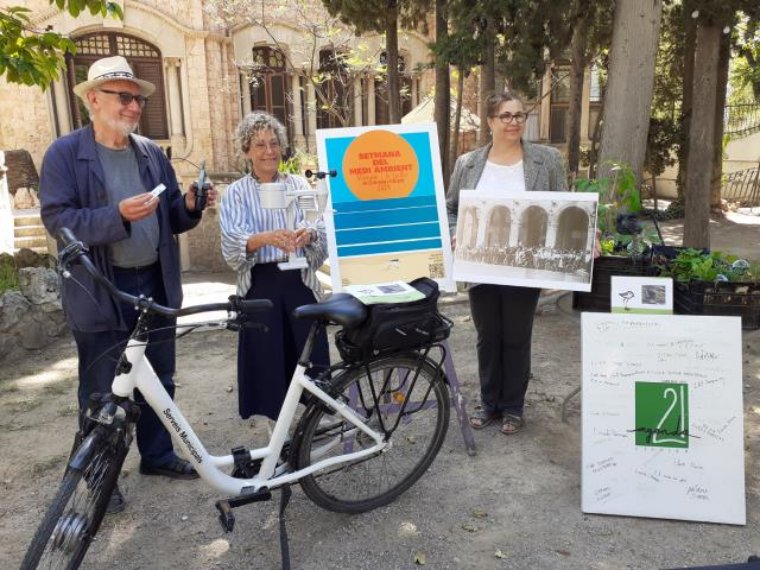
[695, 264]
[618, 194]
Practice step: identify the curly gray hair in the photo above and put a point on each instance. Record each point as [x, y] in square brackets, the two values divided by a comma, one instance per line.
[256, 122]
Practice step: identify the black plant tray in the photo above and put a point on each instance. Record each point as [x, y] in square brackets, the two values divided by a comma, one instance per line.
[598, 299]
[719, 298]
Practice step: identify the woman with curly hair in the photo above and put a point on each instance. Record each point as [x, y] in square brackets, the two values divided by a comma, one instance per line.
[254, 240]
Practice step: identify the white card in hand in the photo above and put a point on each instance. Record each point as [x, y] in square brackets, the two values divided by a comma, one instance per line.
[157, 190]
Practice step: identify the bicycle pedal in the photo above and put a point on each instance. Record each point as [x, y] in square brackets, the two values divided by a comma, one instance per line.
[225, 506]
[226, 516]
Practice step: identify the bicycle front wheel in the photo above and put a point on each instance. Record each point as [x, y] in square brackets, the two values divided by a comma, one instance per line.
[74, 517]
[402, 397]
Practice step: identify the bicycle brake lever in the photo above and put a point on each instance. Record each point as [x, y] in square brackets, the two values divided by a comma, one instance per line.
[68, 255]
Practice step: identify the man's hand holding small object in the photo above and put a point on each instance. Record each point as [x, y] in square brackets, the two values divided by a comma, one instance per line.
[156, 192]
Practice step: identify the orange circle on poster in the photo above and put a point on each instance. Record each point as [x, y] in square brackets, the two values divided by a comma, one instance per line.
[379, 165]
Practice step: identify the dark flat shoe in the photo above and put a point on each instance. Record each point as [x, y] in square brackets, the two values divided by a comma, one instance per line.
[176, 469]
[116, 503]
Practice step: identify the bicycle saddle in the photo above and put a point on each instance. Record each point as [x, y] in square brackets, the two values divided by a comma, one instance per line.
[339, 308]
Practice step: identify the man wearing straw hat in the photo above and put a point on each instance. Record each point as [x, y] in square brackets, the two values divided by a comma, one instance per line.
[96, 181]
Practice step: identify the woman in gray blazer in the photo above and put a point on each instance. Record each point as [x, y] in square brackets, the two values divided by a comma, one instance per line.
[503, 314]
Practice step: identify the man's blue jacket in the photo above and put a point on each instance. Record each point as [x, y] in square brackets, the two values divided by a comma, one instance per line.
[73, 195]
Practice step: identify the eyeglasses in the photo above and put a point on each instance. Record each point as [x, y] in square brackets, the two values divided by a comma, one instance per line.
[125, 97]
[262, 146]
[508, 117]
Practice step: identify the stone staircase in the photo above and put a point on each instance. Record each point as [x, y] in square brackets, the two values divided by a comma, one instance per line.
[28, 231]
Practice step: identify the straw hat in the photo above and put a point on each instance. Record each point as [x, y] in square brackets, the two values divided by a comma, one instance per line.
[112, 69]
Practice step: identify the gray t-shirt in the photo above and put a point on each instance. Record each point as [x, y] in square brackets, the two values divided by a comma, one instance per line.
[122, 178]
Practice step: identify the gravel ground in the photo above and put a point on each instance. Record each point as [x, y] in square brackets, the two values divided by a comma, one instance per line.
[514, 505]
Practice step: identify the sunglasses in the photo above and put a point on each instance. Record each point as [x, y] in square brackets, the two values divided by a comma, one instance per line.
[125, 97]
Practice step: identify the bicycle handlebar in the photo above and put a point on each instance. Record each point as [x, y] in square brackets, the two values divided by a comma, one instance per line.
[75, 251]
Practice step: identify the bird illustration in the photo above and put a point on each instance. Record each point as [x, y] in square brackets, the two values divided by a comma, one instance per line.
[627, 296]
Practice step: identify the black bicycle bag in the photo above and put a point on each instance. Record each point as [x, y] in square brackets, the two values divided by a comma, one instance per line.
[394, 327]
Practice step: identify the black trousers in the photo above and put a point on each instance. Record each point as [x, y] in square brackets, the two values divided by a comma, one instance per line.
[267, 359]
[503, 318]
[99, 353]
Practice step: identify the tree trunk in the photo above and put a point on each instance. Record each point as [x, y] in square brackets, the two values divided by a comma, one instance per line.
[442, 110]
[578, 63]
[593, 161]
[724, 60]
[487, 84]
[632, 58]
[391, 53]
[457, 119]
[690, 38]
[696, 230]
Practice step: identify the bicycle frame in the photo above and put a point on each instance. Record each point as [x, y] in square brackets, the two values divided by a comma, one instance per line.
[209, 467]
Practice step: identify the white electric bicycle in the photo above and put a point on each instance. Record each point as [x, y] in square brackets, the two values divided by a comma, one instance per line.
[368, 432]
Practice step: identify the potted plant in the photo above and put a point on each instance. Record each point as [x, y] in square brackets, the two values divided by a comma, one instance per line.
[713, 283]
[625, 240]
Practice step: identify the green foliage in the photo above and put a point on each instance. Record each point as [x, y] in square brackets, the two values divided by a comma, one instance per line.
[35, 57]
[714, 266]
[663, 141]
[618, 194]
[296, 164]
[745, 67]
[372, 15]
[8, 274]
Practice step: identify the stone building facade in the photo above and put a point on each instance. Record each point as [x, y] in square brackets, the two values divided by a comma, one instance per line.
[210, 68]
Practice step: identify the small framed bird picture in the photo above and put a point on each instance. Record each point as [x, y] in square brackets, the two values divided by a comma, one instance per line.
[652, 295]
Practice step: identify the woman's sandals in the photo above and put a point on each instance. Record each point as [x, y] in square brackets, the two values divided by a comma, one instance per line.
[511, 424]
[482, 418]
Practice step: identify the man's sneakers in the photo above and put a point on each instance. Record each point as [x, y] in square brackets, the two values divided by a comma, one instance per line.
[176, 469]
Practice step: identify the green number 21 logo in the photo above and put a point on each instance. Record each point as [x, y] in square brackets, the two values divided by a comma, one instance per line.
[662, 414]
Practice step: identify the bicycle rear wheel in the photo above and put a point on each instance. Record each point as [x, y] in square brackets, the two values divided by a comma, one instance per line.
[74, 517]
[401, 396]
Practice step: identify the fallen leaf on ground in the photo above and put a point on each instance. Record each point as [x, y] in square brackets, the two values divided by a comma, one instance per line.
[419, 558]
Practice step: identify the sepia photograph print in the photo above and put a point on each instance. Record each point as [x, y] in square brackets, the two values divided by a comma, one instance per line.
[534, 239]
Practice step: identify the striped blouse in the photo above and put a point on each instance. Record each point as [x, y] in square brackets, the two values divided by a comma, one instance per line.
[241, 216]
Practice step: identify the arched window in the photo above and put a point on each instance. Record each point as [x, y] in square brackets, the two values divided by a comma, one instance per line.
[335, 89]
[145, 61]
[269, 88]
[382, 116]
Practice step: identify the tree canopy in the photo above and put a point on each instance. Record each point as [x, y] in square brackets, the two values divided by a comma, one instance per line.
[29, 56]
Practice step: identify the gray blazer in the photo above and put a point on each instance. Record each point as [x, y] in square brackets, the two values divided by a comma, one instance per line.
[543, 165]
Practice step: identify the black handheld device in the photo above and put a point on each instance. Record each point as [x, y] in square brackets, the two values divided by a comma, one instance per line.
[201, 191]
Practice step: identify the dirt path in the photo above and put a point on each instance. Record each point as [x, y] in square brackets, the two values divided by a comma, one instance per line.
[516, 505]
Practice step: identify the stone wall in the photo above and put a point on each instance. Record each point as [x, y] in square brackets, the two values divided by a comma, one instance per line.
[31, 318]
[204, 244]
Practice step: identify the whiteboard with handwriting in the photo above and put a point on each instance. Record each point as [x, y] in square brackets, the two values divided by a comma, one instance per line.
[662, 417]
